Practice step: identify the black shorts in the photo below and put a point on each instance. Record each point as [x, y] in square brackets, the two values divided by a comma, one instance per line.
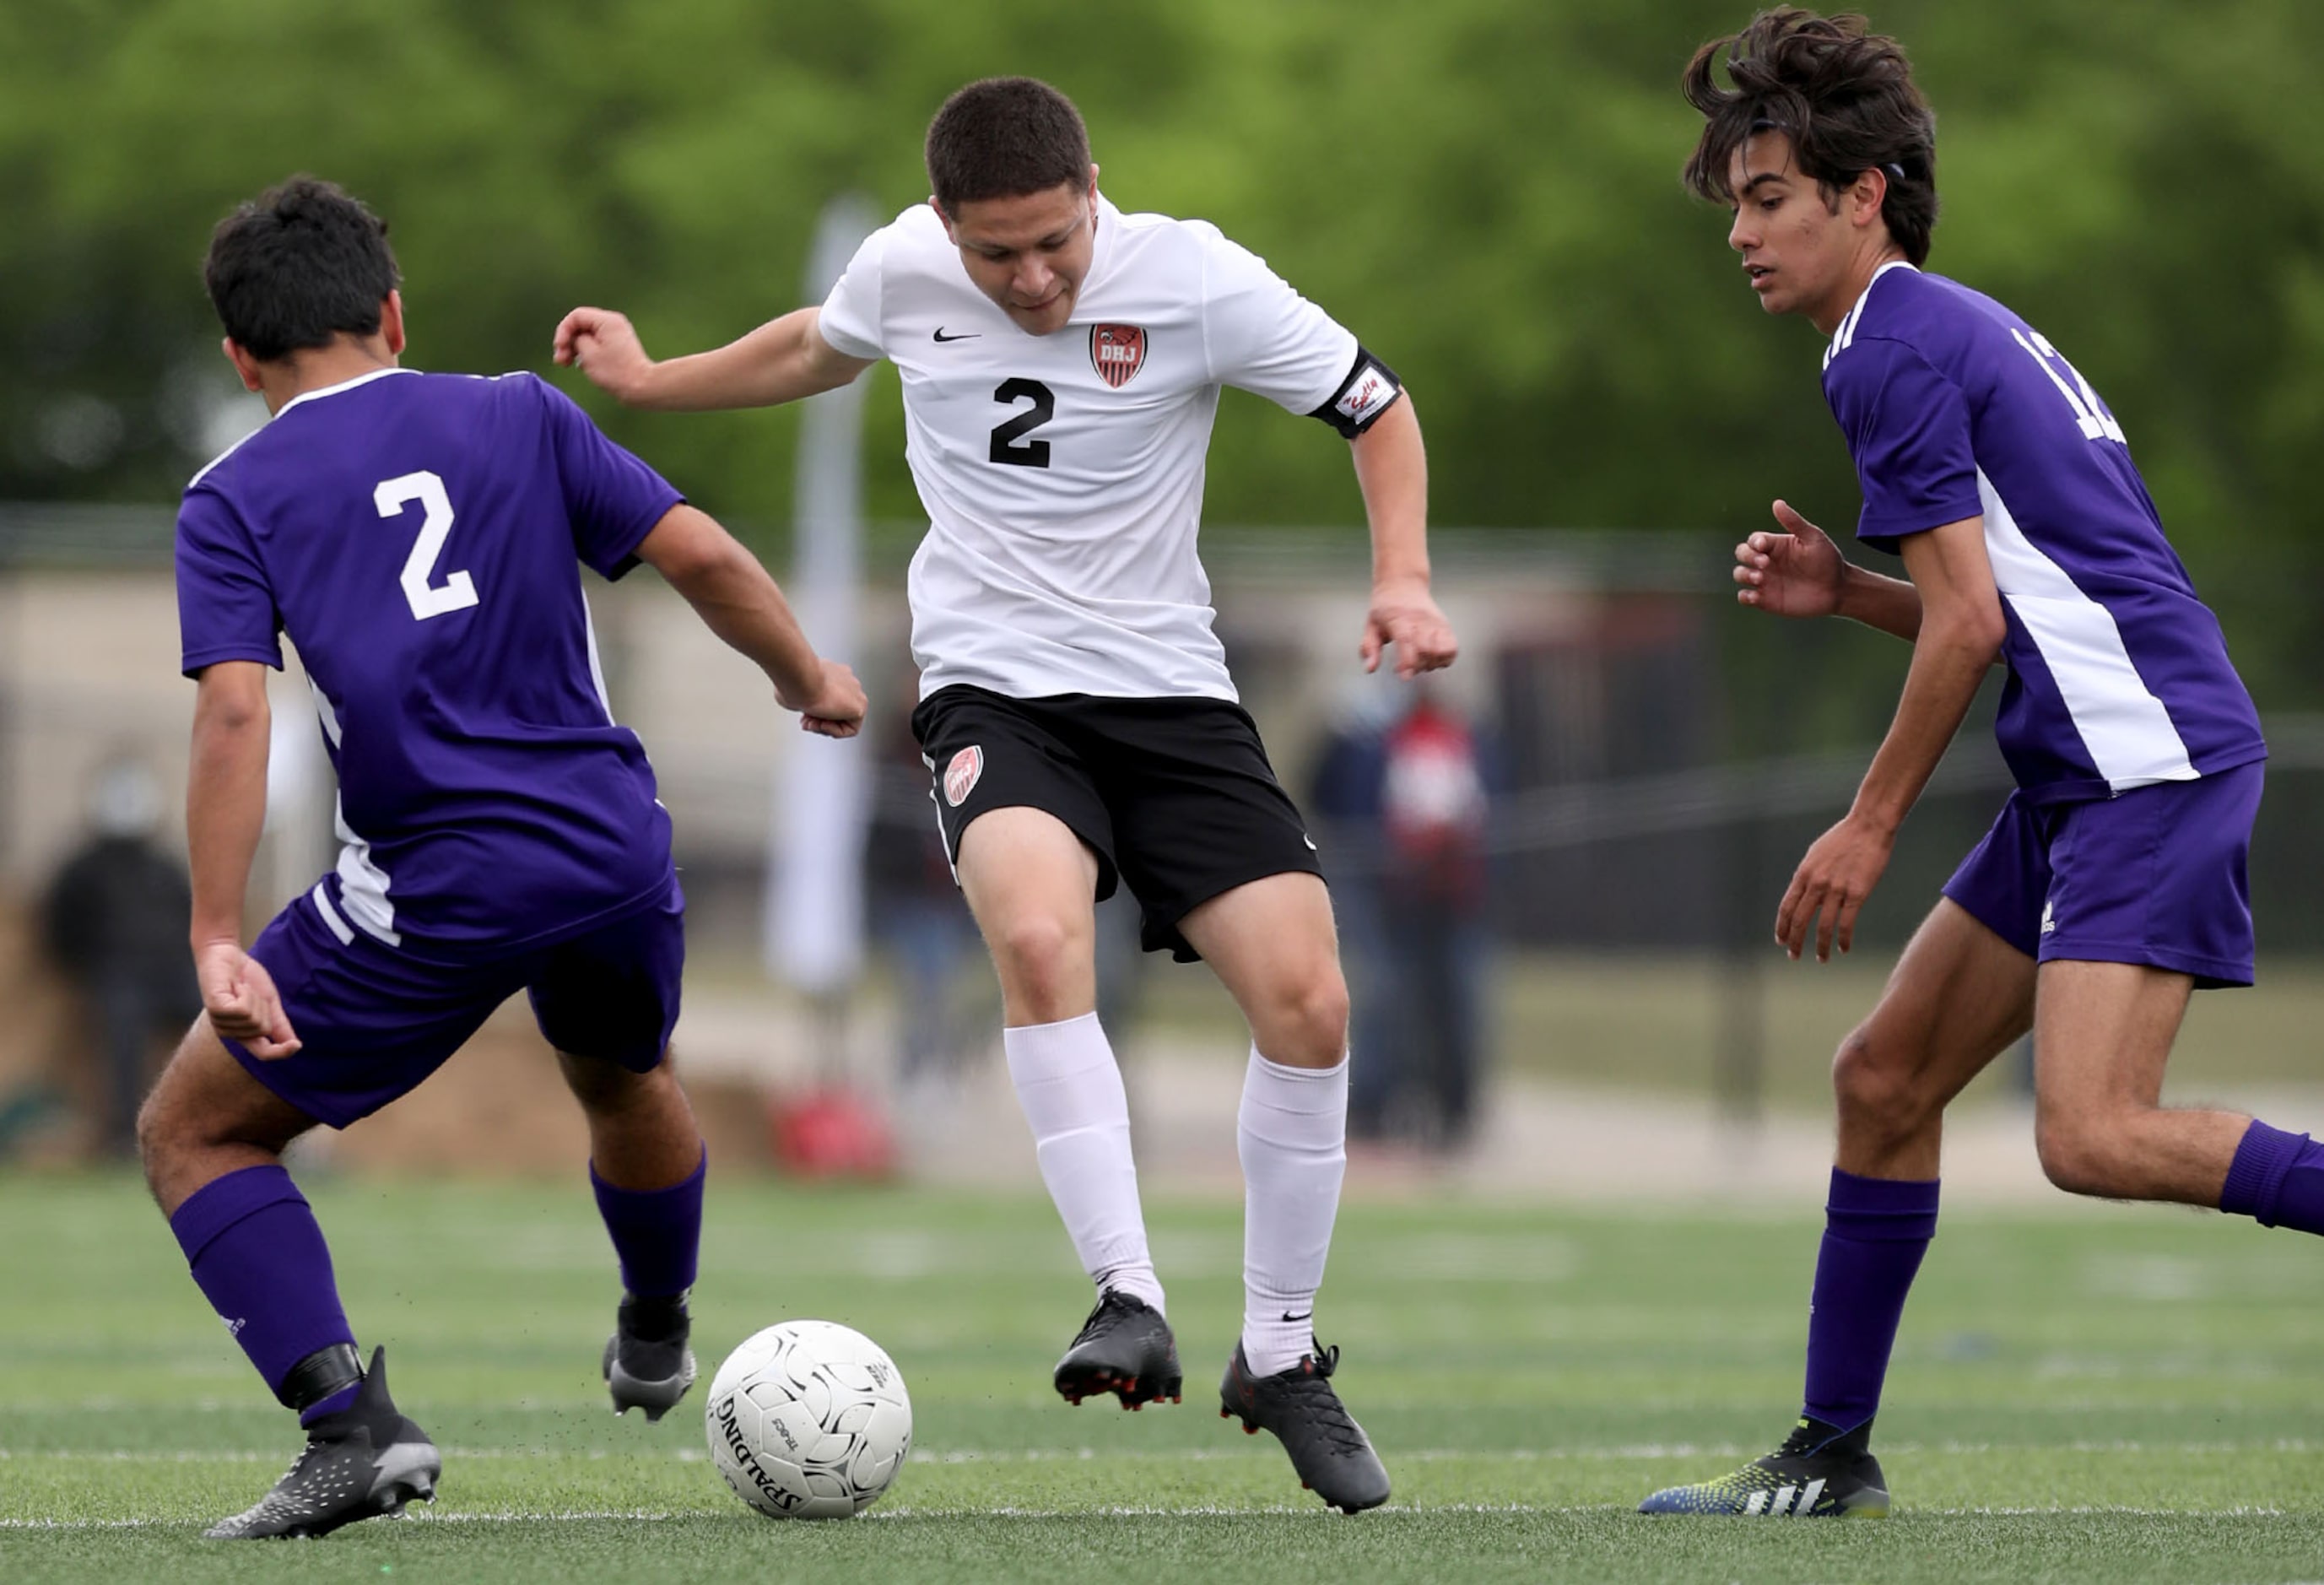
[1173, 796]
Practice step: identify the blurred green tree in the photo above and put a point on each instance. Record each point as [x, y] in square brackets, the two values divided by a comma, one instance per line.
[1485, 189]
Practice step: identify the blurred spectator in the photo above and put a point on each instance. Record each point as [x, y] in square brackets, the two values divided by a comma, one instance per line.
[1432, 820]
[1343, 801]
[915, 911]
[1407, 798]
[116, 927]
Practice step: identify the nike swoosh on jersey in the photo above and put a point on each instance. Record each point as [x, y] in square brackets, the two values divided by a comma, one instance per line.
[964, 336]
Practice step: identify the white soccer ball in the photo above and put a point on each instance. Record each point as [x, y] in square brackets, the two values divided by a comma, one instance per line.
[808, 1420]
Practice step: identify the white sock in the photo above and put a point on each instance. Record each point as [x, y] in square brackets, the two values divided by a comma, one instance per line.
[1293, 1135]
[1071, 1091]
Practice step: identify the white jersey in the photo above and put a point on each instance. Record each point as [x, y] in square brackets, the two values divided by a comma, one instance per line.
[1063, 474]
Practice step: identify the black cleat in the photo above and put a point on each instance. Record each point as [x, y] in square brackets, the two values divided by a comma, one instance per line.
[365, 1460]
[1329, 1451]
[648, 1364]
[1125, 1348]
[1818, 1473]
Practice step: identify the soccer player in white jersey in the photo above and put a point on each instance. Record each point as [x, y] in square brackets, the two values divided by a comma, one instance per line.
[1061, 362]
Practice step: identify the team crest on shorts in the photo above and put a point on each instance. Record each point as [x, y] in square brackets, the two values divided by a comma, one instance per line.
[960, 775]
[1117, 352]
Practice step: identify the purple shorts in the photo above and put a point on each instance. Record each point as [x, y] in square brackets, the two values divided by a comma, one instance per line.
[2155, 876]
[374, 1020]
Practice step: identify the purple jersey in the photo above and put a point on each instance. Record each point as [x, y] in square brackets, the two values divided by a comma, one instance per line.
[418, 537]
[1955, 408]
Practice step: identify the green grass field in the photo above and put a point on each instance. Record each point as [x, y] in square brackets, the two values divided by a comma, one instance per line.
[2097, 1394]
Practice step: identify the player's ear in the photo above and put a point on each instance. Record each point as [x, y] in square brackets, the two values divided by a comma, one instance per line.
[934, 203]
[243, 364]
[391, 323]
[1870, 191]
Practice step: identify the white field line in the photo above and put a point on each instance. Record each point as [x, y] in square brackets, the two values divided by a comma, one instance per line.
[1640, 1453]
[1195, 1511]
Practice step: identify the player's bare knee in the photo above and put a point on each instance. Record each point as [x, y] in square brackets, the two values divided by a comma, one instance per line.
[1307, 1026]
[180, 1119]
[1041, 959]
[2068, 1161]
[2082, 1155]
[156, 1139]
[607, 1087]
[1874, 1089]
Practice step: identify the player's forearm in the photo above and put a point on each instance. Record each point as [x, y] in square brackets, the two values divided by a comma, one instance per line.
[1892, 605]
[782, 360]
[744, 607]
[1950, 661]
[225, 810]
[1392, 472]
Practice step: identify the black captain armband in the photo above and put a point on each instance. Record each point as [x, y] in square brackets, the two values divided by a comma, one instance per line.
[1369, 390]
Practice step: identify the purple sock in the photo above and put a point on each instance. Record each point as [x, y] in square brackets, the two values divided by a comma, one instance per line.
[2277, 1179]
[261, 1261]
[657, 1232]
[1875, 1230]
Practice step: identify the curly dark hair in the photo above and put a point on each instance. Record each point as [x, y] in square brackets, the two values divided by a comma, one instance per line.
[1004, 137]
[296, 266]
[1843, 96]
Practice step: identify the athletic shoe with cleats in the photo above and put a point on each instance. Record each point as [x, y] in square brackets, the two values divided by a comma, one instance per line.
[648, 1364]
[1125, 1348]
[364, 1461]
[1818, 1473]
[1329, 1451]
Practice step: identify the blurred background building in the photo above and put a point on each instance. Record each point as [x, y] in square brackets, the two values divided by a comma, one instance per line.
[1486, 190]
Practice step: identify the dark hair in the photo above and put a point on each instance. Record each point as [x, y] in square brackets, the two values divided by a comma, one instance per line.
[296, 266]
[1004, 137]
[1844, 96]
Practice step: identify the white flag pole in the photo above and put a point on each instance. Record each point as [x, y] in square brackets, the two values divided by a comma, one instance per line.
[814, 914]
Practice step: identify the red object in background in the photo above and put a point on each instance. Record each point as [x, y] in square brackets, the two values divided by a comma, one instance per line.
[830, 1133]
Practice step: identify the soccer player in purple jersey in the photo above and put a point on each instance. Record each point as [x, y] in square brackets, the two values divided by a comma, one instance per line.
[2112, 883]
[419, 537]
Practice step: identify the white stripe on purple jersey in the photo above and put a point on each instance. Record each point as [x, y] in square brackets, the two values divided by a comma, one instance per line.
[1954, 409]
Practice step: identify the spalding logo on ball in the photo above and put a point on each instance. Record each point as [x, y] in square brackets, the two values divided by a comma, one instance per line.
[809, 1420]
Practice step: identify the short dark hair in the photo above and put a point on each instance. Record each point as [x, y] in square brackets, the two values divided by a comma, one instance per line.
[1002, 138]
[297, 265]
[1844, 96]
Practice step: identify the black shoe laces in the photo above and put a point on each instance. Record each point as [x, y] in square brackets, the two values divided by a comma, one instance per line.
[1312, 1389]
[1810, 1438]
[1109, 1311]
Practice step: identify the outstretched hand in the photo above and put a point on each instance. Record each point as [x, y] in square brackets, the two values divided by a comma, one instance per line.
[1405, 614]
[239, 996]
[604, 346]
[837, 710]
[1795, 573]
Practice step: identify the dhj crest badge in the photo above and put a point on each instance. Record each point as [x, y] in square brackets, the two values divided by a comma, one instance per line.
[1117, 352]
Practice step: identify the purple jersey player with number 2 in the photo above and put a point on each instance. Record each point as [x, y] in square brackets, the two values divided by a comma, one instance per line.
[2112, 883]
[419, 539]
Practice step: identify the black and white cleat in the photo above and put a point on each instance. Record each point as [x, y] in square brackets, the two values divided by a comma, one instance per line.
[363, 1462]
